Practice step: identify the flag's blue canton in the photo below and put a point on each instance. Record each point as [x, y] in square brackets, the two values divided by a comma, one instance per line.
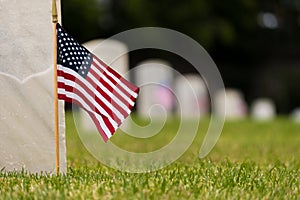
[71, 54]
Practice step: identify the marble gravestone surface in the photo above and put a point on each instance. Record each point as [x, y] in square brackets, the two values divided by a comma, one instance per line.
[235, 104]
[192, 96]
[295, 115]
[263, 109]
[155, 79]
[113, 53]
[26, 87]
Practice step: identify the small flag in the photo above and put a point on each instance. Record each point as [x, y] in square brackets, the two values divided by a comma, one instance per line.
[87, 81]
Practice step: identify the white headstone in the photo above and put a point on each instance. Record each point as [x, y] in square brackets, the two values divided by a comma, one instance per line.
[26, 87]
[263, 109]
[155, 78]
[192, 96]
[115, 55]
[235, 105]
[295, 115]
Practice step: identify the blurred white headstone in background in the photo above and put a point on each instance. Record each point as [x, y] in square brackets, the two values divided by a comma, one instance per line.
[155, 79]
[192, 96]
[263, 109]
[113, 53]
[295, 115]
[26, 87]
[235, 105]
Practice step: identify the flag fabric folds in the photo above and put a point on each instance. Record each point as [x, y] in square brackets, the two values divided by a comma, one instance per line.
[87, 81]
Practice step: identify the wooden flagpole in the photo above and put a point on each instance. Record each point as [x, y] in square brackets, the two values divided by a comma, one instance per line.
[55, 20]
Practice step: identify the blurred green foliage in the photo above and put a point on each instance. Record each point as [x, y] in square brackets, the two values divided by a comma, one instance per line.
[212, 23]
[206, 21]
[234, 32]
[81, 18]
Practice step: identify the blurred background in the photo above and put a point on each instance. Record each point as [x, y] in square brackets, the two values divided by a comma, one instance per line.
[254, 43]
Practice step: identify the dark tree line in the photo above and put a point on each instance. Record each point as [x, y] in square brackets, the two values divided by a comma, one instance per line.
[251, 41]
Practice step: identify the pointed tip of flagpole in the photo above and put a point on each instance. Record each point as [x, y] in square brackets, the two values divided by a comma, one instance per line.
[54, 12]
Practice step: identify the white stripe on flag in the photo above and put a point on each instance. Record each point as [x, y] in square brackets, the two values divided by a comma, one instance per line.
[115, 88]
[109, 93]
[90, 98]
[105, 101]
[119, 82]
[85, 106]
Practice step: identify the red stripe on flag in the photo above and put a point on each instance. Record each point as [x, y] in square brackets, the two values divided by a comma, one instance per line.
[99, 102]
[94, 111]
[104, 74]
[94, 118]
[123, 80]
[117, 75]
[102, 92]
[109, 88]
[107, 97]
[99, 128]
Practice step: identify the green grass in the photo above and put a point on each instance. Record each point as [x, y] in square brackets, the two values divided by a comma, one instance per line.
[252, 160]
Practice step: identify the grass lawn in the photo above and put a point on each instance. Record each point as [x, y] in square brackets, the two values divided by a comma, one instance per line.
[252, 160]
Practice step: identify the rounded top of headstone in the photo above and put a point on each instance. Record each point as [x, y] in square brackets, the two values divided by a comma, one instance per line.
[113, 52]
[263, 109]
[94, 45]
[192, 95]
[194, 78]
[195, 81]
[234, 93]
[154, 62]
[295, 115]
[153, 71]
[235, 105]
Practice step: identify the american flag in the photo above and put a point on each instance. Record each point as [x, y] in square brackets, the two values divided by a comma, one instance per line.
[87, 81]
